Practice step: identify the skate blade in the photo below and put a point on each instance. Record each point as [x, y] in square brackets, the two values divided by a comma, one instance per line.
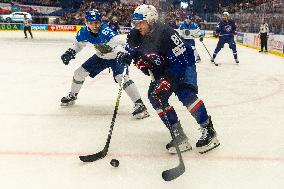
[213, 144]
[183, 147]
[141, 115]
[67, 104]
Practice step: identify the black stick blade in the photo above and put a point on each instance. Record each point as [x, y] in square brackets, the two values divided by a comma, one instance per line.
[173, 173]
[93, 157]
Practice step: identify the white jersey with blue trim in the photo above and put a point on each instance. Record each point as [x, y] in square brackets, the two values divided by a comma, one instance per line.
[107, 42]
[189, 31]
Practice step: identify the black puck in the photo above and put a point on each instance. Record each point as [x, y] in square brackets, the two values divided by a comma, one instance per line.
[114, 162]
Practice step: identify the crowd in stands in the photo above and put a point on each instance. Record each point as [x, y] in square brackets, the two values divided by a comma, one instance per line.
[108, 10]
[250, 15]
[50, 3]
[264, 6]
[122, 12]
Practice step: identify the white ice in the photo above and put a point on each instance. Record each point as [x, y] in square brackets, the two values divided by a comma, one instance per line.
[40, 141]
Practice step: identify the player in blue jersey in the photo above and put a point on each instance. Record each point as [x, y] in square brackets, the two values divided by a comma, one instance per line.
[107, 44]
[114, 25]
[226, 29]
[157, 50]
[188, 30]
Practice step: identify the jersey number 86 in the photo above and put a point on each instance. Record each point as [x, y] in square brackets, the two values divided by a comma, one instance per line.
[180, 48]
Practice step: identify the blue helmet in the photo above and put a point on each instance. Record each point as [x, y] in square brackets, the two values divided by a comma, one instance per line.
[188, 17]
[93, 15]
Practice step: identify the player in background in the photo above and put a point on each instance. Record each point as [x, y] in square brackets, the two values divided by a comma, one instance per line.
[188, 30]
[107, 44]
[27, 27]
[226, 29]
[263, 35]
[171, 63]
[114, 25]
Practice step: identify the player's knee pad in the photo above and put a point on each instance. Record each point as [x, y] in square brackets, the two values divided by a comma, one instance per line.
[79, 75]
[197, 108]
[154, 101]
[127, 80]
[187, 96]
[118, 78]
[233, 47]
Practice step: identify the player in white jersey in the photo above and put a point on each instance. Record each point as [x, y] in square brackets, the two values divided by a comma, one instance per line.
[188, 31]
[108, 45]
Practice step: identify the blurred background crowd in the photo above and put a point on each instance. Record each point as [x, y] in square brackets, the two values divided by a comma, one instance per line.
[248, 14]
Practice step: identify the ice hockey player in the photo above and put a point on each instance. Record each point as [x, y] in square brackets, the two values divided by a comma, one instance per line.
[226, 29]
[158, 50]
[114, 25]
[188, 31]
[107, 44]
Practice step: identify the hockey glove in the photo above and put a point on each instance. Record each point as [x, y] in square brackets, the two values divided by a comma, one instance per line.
[162, 89]
[143, 65]
[68, 55]
[201, 39]
[153, 59]
[123, 58]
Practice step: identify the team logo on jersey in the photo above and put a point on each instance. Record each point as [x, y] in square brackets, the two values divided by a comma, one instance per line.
[228, 28]
[103, 48]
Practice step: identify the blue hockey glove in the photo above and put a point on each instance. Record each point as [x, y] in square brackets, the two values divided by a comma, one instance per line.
[124, 58]
[68, 55]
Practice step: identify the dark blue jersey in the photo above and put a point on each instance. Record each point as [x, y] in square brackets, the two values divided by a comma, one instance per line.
[226, 29]
[165, 41]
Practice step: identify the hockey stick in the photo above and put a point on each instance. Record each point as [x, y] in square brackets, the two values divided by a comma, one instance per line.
[209, 53]
[103, 153]
[175, 172]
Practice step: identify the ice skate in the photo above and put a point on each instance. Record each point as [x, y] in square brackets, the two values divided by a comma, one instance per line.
[213, 61]
[208, 140]
[140, 111]
[237, 61]
[180, 138]
[69, 100]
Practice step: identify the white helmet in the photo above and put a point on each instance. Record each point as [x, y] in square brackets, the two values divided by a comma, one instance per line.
[145, 12]
[226, 14]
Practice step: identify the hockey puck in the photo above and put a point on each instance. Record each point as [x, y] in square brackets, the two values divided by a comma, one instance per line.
[114, 163]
